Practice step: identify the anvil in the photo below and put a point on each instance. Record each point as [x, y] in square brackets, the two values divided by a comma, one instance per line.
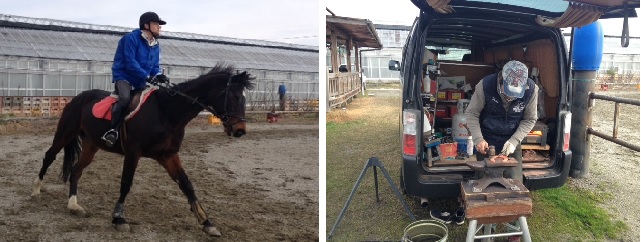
[492, 169]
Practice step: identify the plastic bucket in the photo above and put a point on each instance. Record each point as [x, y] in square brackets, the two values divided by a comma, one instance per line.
[425, 231]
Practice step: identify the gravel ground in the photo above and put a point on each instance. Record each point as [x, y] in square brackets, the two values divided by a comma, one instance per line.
[614, 169]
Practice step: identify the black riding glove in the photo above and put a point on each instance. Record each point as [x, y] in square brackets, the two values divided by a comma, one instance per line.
[152, 80]
[162, 78]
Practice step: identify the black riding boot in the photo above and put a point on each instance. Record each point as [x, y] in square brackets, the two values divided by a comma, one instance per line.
[111, 136]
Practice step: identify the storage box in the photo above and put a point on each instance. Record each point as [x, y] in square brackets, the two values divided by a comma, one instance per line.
[6, 101]
[433, 87]
[455, 94]
[448, 150]
[538, 135]
[441, 111]
[452, 110]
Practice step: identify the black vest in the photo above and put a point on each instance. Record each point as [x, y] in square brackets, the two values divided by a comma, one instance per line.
[498, 125]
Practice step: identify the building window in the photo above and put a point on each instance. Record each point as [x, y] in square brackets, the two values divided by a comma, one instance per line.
[397, 36]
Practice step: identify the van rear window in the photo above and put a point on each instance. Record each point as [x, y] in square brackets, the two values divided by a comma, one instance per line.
[452, 54]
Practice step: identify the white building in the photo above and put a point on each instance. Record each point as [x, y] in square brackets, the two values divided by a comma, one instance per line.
[623, 61]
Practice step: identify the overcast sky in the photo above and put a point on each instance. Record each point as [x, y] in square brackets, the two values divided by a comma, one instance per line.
[290, 21]
[404, 12]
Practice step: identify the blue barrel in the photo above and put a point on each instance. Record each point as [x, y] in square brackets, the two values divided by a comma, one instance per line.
[588, 47]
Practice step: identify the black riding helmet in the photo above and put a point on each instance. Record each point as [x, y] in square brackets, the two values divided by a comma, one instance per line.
[150, 17]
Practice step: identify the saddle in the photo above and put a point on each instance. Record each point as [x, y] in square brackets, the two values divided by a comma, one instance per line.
[102, 109]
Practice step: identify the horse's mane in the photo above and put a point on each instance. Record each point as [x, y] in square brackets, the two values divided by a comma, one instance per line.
[220, 69]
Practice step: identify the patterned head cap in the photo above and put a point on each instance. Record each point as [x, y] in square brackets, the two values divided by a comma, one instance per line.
[514, 79]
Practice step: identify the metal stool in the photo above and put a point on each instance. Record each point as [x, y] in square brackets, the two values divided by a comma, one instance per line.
[495, 199]
[472, 230]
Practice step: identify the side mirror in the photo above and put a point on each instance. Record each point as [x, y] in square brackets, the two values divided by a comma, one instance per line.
[394, 65]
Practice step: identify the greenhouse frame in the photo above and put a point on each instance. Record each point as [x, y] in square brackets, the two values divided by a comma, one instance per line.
[54, 58]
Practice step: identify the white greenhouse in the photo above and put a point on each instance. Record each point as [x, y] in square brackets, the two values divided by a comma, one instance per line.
[55, 60]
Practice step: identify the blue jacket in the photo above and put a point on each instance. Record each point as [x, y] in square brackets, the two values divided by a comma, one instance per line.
[135, 60]
[498, 125]
[282, 90]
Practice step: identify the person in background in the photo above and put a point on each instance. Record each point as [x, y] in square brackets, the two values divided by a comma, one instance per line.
[137, 61]
[282, 93]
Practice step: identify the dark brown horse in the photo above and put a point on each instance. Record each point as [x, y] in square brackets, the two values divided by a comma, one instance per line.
[156, 132]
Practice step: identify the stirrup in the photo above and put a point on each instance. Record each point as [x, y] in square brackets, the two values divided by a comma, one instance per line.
[110, 137]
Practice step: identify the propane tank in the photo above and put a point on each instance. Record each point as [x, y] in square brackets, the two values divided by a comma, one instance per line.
[459, 128]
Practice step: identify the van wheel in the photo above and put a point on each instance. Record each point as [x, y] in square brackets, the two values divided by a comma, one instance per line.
[402, 182]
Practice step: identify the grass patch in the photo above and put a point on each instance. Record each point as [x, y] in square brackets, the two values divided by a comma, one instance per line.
[369, 127]
[5, 117]
[572, 213]
[384, 85]
[363, 130]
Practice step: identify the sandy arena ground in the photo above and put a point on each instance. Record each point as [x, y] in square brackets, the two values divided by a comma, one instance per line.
[261, 187]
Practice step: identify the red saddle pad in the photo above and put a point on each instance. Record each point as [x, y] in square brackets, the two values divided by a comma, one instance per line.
[102, 109]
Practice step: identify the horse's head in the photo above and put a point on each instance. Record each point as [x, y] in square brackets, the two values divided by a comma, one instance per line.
[229, 103]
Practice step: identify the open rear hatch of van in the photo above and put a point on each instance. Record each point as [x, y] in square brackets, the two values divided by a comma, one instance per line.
[494, 31]
[561, 11]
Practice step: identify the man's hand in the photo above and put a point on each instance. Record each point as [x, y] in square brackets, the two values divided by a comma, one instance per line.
[482, 146]
[162, 78]
[508, 148]
[151, 79]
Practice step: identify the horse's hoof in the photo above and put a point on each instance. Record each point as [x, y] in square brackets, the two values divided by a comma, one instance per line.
[35, 195]
[78, 212]
[122, 227]
[211, 230]
[74, 208]
[37, 184]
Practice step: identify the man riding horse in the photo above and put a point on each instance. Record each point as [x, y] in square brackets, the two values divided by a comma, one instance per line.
[137, 60]
[158, 128]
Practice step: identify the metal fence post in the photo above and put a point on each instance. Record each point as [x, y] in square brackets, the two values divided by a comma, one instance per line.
[583, 85]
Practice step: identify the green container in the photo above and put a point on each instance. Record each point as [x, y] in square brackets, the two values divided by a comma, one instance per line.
[425, 231]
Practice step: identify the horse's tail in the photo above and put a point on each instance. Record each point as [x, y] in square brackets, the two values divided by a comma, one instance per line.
[72, 151]
[69, 128]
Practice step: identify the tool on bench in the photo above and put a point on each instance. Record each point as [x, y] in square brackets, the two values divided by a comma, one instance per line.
[432, 144]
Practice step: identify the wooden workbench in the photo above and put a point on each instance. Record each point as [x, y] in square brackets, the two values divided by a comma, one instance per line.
[496, 204]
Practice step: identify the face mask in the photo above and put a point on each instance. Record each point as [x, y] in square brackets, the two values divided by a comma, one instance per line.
[507, 98]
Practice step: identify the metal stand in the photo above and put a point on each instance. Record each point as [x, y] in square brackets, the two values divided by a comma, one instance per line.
[487, 231]
[371, 162]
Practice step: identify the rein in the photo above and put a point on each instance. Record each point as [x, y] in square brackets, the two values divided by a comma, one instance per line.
[170, 88]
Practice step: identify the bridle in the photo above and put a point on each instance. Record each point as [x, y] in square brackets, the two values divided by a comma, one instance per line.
[225, 117]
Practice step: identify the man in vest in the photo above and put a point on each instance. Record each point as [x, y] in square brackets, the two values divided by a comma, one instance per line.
[502, 111]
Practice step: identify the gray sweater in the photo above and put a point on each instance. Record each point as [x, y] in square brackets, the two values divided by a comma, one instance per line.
[473, 112]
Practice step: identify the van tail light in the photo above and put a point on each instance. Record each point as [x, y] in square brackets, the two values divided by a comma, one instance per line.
[567, 124]
[409, 132]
